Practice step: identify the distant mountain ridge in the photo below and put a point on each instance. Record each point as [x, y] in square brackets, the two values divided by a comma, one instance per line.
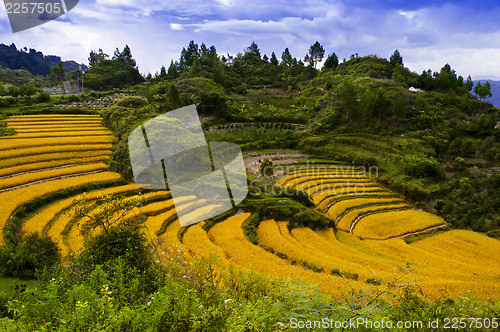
[495, 91]
[31, 60]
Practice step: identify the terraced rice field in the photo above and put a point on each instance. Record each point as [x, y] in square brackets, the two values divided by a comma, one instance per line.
[357, 204]
[52, 153]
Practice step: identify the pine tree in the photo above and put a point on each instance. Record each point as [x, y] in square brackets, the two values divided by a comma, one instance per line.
[188, 55]
[396, 59]
[95, 58]
[274, 60]
[469, 84]
[254, 48]
[173, 69]
[331, 62]
[163, 71]
[316, 54]
[286, 58]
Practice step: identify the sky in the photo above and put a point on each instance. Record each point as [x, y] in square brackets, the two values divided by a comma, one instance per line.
[428, 34]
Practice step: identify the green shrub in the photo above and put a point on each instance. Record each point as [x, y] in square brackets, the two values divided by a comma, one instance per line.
[310, 218]
[266, 168]
[125, 242]
[426, 169]
[297, 195]
[132, 102]
[312, 267]
[25, 258]
[74, 98]
[43, 97]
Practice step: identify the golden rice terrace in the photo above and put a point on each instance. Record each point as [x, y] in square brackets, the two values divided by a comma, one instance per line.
[54, 153]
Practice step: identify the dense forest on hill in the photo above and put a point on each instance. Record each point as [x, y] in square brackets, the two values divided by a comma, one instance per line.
[31, 60]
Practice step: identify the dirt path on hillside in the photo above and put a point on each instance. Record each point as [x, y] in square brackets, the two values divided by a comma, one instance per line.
[252, 162]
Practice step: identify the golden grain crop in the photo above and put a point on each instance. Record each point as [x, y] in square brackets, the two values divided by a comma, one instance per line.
[154, 223]
[15, 123]
[276, 235]
[40, 221]
[9, 144]
[40, 175]
[326, 196]
[30, 167]
[325, 241]
[385, 225]
[200, 212]
[229, 236]
[347, 219]
[53, 116]
[469, 247]
[338, 186]
[82, 134]
[196, 240]
[432, 264]
[13, 199]
[339, 207]
[45, 150]
[62, 129]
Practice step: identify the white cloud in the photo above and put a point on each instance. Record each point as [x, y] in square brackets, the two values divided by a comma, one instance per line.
[176, 26]
[157, 30]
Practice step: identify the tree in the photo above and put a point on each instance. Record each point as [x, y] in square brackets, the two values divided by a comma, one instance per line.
[203, 50]
[399, 108]
[382, 104]
[188, 55]
[307, 59]
[252, 53]
[173, 69]
[316, 54]
[266, 168]
[331, 62]
[447, 78]
[396, 59]
[116, 54]
[348, 98]
[400, 74]
[477, 89]
[486, 92]
[274, 60]
[104, 212]
[469, 84]
[96, 58]
[125, 56]
[366, 104]
[58, 71]
[253, 48]
[286, 58]
[483, 91]
[28, 89]
[163, 71]
[32, 253]
[13, 91]
[212, 52]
